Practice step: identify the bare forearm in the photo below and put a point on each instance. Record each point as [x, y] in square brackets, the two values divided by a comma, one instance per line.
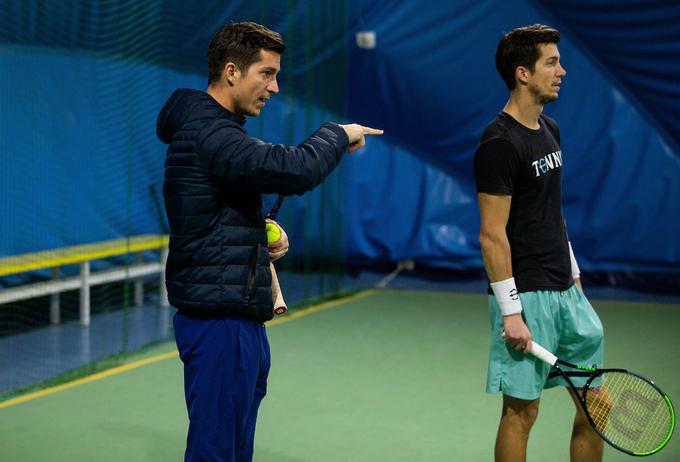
[497, 256]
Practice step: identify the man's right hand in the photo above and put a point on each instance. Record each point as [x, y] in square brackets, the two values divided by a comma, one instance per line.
[517, 333]
[356, 133]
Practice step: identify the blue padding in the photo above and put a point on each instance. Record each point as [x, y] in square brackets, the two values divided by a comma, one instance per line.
[433, 87]
[80, 140]
[78, 116]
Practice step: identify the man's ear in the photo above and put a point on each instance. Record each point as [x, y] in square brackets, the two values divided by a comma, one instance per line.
[522, 74]
[231, 73]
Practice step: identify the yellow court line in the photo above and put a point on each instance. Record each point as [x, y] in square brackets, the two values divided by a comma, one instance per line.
[88, 379]
[321, 306]
[154, 359]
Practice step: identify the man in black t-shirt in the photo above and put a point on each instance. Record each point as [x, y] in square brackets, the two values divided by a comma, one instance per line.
[535, 289]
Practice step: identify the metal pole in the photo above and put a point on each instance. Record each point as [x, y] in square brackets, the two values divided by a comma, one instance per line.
[85, 293]
[55, 312]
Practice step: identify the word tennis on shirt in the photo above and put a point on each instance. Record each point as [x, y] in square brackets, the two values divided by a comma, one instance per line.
[547, 163]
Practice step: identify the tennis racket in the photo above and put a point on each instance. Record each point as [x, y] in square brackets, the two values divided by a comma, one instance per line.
[629, 412]
[271, 203]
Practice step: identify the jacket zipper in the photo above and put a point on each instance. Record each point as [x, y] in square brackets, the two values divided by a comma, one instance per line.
[251, 276]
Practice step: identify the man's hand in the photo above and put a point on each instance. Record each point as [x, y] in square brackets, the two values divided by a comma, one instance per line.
[517, 333]
[356, 133]
[277, 249]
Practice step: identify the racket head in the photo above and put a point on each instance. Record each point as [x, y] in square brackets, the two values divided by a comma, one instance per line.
[629, 411]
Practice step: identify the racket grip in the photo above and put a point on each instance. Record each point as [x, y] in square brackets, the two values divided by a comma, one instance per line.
[538, 351]
[277, 297]
[543, 354]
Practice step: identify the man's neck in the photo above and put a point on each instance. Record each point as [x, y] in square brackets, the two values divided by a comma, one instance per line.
[221, 96]
[524, 109]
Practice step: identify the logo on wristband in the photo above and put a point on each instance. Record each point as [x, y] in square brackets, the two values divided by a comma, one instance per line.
[513, 294]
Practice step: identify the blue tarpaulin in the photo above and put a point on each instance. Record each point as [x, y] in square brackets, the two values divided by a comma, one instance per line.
[80, 89]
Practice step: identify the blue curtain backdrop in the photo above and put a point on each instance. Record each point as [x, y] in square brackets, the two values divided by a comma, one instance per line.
[81, 84]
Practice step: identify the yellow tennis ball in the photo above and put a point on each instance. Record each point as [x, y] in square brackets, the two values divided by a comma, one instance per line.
[273, 232]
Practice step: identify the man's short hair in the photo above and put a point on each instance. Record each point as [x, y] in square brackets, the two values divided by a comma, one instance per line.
[240, 43]
[519, 47]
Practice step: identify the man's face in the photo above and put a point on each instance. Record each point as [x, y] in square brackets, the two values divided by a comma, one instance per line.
[254, 87]
[544, 82]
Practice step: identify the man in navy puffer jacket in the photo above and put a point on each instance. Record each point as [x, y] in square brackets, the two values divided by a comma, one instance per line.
[217, 273]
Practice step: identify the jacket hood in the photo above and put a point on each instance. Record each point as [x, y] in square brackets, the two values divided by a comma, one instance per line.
[186, 105]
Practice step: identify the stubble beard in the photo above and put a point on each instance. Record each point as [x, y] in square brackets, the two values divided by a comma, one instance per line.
[541, 98]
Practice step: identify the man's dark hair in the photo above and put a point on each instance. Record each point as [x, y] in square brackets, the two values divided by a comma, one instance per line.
[240, 43]
[519, 47]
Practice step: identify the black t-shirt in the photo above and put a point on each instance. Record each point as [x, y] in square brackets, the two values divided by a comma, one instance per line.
[527, 164]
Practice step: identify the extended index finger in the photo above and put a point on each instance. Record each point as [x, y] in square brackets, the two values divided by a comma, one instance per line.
[372, 131]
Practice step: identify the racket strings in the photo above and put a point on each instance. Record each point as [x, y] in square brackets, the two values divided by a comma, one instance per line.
[629, 412]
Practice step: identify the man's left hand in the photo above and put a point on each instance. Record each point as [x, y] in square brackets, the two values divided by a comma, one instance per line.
[278, 249]
[577, 281]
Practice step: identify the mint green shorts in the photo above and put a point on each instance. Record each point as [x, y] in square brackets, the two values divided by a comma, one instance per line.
[565, 323]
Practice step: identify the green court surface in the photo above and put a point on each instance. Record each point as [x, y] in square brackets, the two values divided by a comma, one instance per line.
[387, 376]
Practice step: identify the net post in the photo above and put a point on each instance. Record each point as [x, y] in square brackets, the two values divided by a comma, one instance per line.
[139, 284]
[85, 293]
[55, 313]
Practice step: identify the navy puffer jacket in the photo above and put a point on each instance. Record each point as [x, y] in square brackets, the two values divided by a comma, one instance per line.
[214, 177]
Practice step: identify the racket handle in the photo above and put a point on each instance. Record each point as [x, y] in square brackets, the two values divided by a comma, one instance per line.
[543, 354]
[279, 303]
[538, 351]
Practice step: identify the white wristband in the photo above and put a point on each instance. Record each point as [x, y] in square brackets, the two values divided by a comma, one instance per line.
[575, 271]
[507, 296]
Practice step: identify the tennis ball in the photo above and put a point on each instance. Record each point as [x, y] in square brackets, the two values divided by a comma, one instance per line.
[273, 232]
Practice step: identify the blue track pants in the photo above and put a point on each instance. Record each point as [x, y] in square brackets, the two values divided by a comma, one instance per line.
[226, 364]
